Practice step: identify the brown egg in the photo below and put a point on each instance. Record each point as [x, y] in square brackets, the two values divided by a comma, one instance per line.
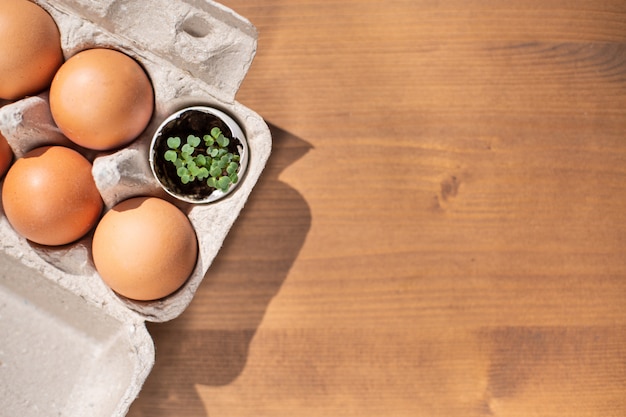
[6, 155]
[50, 196]
[101, 99]
[145, 248]
[30, 49]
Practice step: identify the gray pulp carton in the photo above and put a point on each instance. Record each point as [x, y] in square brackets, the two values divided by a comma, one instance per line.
[69, 346]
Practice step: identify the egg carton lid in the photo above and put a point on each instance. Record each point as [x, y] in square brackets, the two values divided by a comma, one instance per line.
[60, 355]
[69, 345]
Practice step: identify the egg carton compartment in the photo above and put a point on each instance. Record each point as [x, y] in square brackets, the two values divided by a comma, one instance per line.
[65, 358]
[180, 78]
[195, 52]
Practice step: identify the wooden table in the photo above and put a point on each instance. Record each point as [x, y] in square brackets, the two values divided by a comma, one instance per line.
[441, 229]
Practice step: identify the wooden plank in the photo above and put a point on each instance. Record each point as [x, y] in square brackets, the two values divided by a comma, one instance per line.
[441, 227]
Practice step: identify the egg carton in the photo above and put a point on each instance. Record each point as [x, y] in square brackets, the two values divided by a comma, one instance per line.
[70, 346]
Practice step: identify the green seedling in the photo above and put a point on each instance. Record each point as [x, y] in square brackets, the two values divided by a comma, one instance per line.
[204, 159]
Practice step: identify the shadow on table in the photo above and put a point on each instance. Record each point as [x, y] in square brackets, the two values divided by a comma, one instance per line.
[253, 263]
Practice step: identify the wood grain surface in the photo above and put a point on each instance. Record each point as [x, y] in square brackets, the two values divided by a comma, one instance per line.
[441, 228]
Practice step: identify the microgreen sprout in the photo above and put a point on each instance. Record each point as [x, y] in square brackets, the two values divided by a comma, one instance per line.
[204, 159]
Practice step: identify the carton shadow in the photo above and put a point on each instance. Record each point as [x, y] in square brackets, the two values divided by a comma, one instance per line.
[248, 272]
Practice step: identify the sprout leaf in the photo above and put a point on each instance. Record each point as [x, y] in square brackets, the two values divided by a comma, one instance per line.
[215, 171]
[182, 171]
[194, 170]
[171, 156]
[193, 141]
[222, 141]
[232, 168]
[223, 183]
[200, 160]
[203, 173]
[173, 143]
[187, 148]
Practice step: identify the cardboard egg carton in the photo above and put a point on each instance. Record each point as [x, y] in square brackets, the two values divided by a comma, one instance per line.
[70, 346]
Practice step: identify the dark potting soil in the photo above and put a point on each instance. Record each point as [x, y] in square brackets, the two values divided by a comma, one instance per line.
[191, 122]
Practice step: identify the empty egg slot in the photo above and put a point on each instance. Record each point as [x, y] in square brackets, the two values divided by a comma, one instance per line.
[62, 355]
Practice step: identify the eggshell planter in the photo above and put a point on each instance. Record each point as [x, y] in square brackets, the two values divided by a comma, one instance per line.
[198, 121]
[76, 348]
